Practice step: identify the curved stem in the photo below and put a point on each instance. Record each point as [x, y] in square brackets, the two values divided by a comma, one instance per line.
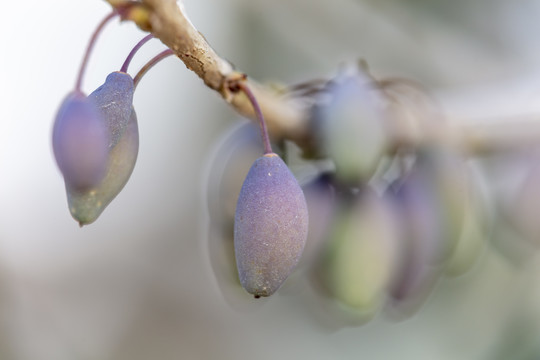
[162, 55]
[256, 108]
[89, 48]
[143, 41]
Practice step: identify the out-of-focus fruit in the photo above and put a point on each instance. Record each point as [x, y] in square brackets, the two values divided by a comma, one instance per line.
[476, 229]
[523, 211]
[80, 142]
[113, 100]
[431, 201]
[362, 255]
[352, 127]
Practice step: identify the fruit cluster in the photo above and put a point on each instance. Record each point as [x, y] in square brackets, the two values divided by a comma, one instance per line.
[95, 142]
[376, 224]
[96, 137]
[385, 222]
[401, 217]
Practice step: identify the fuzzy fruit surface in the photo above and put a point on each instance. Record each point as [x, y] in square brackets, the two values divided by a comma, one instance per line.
[271, 225]
[114, 99]
[87, 206]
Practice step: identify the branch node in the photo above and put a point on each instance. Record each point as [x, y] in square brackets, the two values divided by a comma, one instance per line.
[231, 85]
[133, 11]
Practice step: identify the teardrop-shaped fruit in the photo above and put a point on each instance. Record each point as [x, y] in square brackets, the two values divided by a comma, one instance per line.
[113, 101]
[86, 206]
[227, 169]
[271, 225]
[431, 201]
[448, 187]
[476, 228]
[421, 241]
[80, 142]
[361, 257]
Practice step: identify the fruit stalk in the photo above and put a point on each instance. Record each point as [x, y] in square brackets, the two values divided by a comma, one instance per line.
[133, 51]
[257, 109]
[162, 55]
[78, 84]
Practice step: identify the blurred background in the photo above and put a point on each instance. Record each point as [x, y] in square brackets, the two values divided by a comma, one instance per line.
[142, 282]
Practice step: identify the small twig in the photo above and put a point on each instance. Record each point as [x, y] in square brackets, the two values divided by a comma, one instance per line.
[286, 116]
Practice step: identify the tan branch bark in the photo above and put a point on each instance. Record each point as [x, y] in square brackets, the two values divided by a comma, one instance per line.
[286, 117]
[167, 20]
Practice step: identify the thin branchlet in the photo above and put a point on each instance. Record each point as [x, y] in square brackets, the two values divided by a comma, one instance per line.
[286, 117]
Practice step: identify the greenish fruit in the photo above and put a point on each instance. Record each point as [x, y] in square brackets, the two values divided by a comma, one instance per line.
[351, 127]
[524, 207]
[475, 231]
[87, 206]
[270, 226]
[442, 182]
[362, 255]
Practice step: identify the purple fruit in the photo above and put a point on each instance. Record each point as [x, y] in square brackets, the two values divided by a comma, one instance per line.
[96, 138]
[113, 100]
[421, 240]
[80, 142]
[271, 225]
[431, 201]
[227, 171]
[86, 206]
[322, 202]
